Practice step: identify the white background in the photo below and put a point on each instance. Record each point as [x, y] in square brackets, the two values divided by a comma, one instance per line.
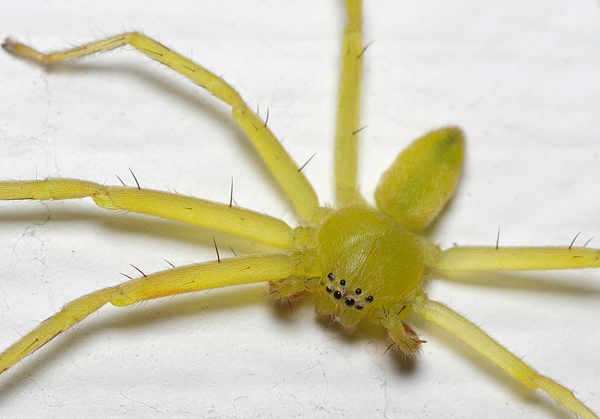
[521, 78]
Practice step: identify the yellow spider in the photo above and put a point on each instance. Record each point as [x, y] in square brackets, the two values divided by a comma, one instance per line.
[321, 259]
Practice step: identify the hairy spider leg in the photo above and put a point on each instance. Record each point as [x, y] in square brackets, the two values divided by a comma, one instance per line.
[477, 339]
[293, 181]
[488, 258]
[234, 220]
[184, 279]
[348, 108]
[485, 258]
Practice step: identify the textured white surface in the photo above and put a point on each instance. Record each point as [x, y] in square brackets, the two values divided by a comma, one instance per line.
[522, 80]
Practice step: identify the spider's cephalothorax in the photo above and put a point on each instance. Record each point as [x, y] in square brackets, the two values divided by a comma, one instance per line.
[372, 261]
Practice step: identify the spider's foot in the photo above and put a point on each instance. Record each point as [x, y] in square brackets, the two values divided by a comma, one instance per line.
[9, 44]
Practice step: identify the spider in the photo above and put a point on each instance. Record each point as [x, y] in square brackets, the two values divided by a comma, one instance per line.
[355, 304]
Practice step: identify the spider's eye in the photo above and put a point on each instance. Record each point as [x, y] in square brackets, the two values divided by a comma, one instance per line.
[337, 295]
[358, 291]
[349, 302]
[369, 299]
[330, 276]
[328, 289]
[343, 282]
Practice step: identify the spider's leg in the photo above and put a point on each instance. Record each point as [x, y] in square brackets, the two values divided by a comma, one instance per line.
[488, 258]
[348, 109]
[190, 278]
[499, 355]
[229, 219]
[293, 181]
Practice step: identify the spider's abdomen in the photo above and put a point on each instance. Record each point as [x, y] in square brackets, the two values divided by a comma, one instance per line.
[369, 263]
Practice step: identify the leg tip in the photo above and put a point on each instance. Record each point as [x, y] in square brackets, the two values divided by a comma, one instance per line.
[9, 44]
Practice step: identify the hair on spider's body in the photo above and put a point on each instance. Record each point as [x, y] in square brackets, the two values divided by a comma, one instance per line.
[363, 262]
